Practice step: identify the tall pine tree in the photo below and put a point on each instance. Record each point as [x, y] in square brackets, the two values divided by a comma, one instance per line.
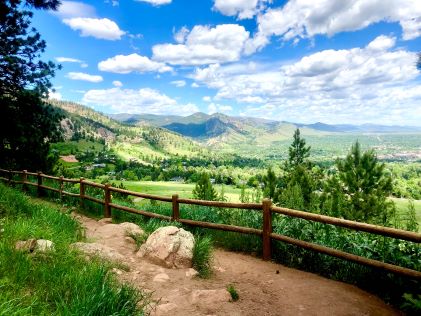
[27, 124]
[204, 189]
[362, 186]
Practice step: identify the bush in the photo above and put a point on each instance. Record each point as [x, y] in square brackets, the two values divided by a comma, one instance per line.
[202, 256]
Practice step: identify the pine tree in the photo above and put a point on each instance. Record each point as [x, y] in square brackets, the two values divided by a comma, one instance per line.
[270, 181]
[27, 124]
[363, 187]
[298, 152]
[204, 189]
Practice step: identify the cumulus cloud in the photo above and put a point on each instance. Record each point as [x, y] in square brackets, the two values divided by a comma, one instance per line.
[207, 98]
[72, 9]
[204, 45]
[344, 85]
[144, 100]
[98, 28]
[156, 2]
[243, 9]
[218, 108]
[84, 77]
[179, 83]
[305, 19]
[117, 83]
[124, 64]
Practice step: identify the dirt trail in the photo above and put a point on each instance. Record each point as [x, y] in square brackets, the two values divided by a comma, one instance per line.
[262, 290]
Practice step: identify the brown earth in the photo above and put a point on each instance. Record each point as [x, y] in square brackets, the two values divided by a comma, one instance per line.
[264, 288]
[69, 158]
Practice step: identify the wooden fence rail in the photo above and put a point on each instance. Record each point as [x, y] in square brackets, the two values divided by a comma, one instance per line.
[265, 207]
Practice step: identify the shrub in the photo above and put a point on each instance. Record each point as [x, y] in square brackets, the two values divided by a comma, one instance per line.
[202, 256]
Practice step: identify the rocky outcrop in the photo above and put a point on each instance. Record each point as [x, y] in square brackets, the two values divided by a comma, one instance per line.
[170, 247]
[34, 245]
[95, 249]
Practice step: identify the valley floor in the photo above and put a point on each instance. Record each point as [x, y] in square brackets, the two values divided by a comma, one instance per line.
[264, 288]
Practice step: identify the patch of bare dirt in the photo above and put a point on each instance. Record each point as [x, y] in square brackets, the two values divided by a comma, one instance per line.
[265, 288]
[69, 158]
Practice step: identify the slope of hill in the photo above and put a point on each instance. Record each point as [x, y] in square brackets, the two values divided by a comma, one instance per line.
[128, 141]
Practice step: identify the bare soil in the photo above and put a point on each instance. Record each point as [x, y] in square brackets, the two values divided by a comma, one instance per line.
[264, 288]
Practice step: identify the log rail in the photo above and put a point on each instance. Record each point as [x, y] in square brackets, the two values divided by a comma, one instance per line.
[266, 208]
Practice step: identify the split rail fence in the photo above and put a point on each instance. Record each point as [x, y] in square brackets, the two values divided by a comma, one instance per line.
[265, 207]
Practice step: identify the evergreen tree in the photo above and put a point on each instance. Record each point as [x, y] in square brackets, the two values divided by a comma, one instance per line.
[270, 181]
[362, 186]
[27, 124]
[204, 189]
[298, 152]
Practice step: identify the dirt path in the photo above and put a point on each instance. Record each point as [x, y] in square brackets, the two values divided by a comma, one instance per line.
[262, 290]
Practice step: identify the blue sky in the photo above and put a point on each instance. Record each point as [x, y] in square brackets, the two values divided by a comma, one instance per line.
[298, 60]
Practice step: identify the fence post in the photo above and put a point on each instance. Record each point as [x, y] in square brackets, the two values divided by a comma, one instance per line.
[82, 193]
[175, 208]
[39, 183]
[24, 179]
[267, 229]
[107, 201]
[9, 178]
[61, 187]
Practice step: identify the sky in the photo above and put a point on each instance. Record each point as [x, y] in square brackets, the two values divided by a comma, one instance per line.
[305, 61]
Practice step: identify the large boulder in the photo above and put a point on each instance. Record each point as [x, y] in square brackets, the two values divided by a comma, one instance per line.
[95, 249]
[34, 245]
[170, 247]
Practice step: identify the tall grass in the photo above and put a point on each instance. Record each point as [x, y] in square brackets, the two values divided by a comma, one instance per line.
[59, 282]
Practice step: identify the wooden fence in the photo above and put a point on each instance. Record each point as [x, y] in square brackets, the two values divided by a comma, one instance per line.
[265, 207]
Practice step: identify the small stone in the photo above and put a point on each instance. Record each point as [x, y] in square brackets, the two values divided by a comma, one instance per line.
[43, 245]
[220, 269]
[161, 277]
[26, 245]
[191, 273]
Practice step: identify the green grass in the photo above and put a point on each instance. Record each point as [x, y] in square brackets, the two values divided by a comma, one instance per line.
[59, 282]
[202, 256]
[66, 148]
[168, 188]
[402, 207]
[233, 292]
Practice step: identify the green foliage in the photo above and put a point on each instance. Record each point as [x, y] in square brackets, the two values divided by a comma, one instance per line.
[59, 282]
[412, 303]
[270, 181]
[24, 80]
[233, 292]
[362, 187]
[202, 256]
[204, 189]
[298, 152]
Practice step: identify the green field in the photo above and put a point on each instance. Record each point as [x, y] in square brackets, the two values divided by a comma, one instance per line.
[182, 189]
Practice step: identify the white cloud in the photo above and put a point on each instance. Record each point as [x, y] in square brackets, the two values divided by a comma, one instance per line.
[181, 34]
[68, 60]
[194, 85]
[156, 2]
[84, 77]
[305, 19]
[73, 9]
[124, 64]
[244, 9]
[144, 100]
[204, 45]
[207, 98]
[98, 28]
[84, 65]
[218, 108]
[117, 83]
[54, 95]
[358, 84]
[179, 83]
